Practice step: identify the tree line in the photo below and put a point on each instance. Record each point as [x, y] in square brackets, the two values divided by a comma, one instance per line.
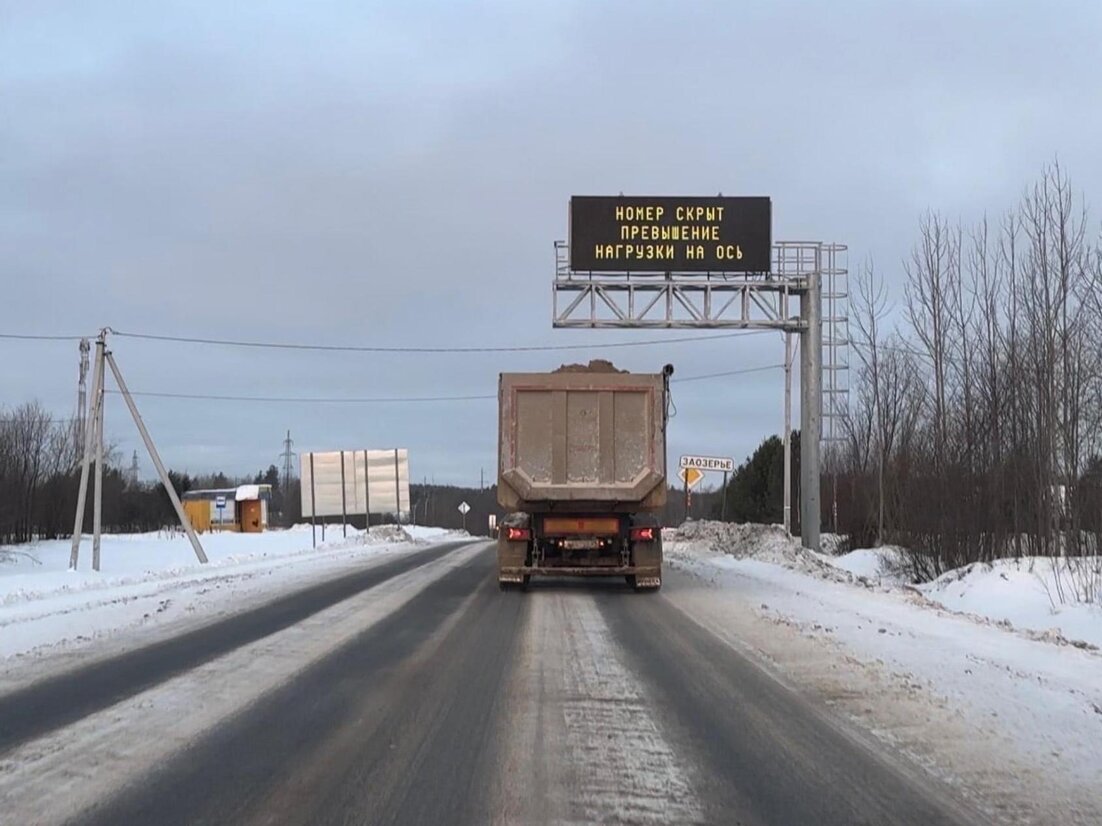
[975, 423]
[40, 472]
[975, 429]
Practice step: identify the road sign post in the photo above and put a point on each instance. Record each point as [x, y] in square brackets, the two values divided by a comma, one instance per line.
[691, 477]
[692, 472]
[220, 504]
[464, 509]
[723, 499]
[686, 478]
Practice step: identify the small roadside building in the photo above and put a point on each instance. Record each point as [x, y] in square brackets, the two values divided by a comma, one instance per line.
[243, 509]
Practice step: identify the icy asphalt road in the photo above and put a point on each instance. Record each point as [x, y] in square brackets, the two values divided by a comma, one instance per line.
[431, 697]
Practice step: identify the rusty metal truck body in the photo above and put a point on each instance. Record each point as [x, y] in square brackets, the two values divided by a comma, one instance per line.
[581, 474]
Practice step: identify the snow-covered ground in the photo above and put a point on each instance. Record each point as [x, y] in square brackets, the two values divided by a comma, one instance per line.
[1024, 593]
[149, 580]
[977, 675]
[50, 777]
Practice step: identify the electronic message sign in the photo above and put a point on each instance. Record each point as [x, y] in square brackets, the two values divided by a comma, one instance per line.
[668, 234]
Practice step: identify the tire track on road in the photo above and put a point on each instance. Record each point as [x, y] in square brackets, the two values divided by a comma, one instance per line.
[397, 723]
[768, 755]
[584, 743]
[49, 704]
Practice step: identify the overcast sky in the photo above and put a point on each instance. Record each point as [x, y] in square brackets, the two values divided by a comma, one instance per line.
[395, 174]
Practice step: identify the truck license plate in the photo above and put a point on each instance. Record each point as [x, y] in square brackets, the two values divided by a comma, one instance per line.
[580, 544]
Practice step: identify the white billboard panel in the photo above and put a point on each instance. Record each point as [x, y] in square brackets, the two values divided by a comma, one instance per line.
[353, 482]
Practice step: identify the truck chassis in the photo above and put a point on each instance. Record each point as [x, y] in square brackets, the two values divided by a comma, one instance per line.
[628, 546]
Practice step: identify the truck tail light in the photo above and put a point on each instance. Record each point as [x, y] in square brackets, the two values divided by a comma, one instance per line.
[518, 534]
[642, 534]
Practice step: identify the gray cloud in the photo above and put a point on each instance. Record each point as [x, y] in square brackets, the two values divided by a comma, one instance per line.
[342, 173]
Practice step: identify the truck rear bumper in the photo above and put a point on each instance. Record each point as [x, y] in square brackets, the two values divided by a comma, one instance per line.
[517, 573]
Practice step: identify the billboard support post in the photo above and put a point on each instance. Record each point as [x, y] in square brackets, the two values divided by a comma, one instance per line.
[344, 501]
[367, 493]
[397, 491]
[313, 508]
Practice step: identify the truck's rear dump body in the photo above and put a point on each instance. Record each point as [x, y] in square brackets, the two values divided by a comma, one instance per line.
[582, 441]
[582, 465]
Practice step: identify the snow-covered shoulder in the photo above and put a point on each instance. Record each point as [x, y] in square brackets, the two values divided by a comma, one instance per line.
[153, 579]
[1059, 600]
[961, 673]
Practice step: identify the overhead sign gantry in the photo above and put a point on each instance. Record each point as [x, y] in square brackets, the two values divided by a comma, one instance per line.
[711, 263]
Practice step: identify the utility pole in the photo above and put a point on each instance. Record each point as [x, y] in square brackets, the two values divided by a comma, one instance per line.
[93, 446]
[82, 395]
[97, 426]
[288, 457]
[86, 456]
[132, 471]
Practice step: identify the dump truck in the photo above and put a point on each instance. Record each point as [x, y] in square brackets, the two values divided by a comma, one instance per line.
[582, 474]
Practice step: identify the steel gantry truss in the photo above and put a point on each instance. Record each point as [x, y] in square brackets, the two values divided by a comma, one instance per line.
[811, 271]
[679, 300]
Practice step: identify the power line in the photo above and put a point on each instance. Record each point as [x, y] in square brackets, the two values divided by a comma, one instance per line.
[355, 348]
[731, 373]
[306, 399]
[389, 399]
[27, 337]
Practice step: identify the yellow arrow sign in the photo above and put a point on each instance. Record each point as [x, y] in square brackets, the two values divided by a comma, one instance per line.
[690, 476]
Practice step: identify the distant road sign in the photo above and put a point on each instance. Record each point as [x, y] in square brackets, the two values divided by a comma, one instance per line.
[690, 476]
[464, 508]
[220, 502]
[683, 234]
[709, 463]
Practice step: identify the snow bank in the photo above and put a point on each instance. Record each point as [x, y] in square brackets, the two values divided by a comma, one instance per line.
[1018, 595]
[426, 534]
[749, 541]
[1023, 593]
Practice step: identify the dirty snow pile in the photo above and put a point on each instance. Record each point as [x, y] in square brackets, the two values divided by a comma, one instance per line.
[1055, 600]
[695, 541]
[152, 578]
